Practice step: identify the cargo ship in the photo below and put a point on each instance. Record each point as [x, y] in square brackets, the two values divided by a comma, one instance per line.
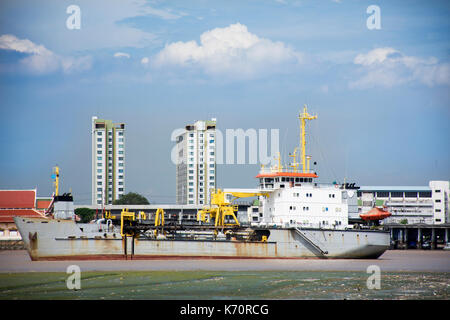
[300, 218]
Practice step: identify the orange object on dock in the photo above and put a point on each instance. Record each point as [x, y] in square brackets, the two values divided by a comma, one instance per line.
[375, 214]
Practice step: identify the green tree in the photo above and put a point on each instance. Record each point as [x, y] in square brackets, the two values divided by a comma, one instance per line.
[131, 198]
[85, 214]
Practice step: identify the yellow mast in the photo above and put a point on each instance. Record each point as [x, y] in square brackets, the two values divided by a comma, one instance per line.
[56, 175]
[303, 117]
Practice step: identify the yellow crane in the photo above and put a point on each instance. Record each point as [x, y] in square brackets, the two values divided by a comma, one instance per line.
[221, 208]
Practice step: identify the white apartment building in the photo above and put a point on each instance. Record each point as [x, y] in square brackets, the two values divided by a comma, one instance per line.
[415, 204]
[108, 161]
[196, 163]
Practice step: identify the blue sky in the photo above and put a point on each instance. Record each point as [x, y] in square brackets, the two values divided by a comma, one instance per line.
[382, 96]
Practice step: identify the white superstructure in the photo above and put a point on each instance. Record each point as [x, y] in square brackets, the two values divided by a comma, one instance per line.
[299, 201]
[108, 161]
[196, 163]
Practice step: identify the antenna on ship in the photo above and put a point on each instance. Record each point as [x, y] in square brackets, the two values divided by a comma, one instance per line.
[303, 117]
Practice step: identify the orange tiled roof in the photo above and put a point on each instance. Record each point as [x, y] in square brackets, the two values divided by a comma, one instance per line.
[17, 199]
[42, 204]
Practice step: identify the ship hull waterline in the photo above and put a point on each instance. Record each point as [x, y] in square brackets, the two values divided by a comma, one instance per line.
[65, 240]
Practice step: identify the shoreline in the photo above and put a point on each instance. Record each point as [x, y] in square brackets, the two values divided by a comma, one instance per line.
[18, 261]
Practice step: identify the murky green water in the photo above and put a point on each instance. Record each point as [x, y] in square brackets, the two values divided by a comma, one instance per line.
[225, 285]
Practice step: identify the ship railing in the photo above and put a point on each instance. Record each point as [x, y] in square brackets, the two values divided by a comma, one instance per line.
[302, 233]
[284, 170]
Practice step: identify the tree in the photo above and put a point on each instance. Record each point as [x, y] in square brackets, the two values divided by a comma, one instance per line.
[85, 214]
[131, 198]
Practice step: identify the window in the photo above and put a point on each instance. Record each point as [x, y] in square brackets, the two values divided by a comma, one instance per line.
[99, 189]
[99, 133]
[99, 170]
[120, 164]
[211, 184]
[120, 189]
[397, 194]
[120, 145]
[437, 191]
[99, 164]
[99, 152]
[383, 194]
[425, 194]
[121, 152]
[99, 158]
[120, 139]
[438, 200]
[120, 133]
[99, 139]
[99, 146]
[410, 194]
[99, 177]
[437, 210]
[120, 170]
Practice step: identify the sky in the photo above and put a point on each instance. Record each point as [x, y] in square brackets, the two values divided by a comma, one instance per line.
[381, 94]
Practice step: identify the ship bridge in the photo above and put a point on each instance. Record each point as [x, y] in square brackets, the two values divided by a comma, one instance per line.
[274, 179]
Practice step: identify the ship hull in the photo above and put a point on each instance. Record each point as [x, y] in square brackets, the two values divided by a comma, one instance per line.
[65, 240]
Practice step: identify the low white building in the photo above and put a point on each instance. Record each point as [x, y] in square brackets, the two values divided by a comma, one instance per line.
[411, 204]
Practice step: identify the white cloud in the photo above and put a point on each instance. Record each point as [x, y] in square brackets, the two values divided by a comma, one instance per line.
[121, 55]
[145, 60]
[388, 67]
[40, 59]
[232, 50]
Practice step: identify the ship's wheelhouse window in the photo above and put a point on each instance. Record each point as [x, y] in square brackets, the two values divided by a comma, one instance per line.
[281, 185]
[277, 180]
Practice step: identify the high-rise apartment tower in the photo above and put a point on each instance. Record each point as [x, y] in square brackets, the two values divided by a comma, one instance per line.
[108, 161]
[196, 163]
